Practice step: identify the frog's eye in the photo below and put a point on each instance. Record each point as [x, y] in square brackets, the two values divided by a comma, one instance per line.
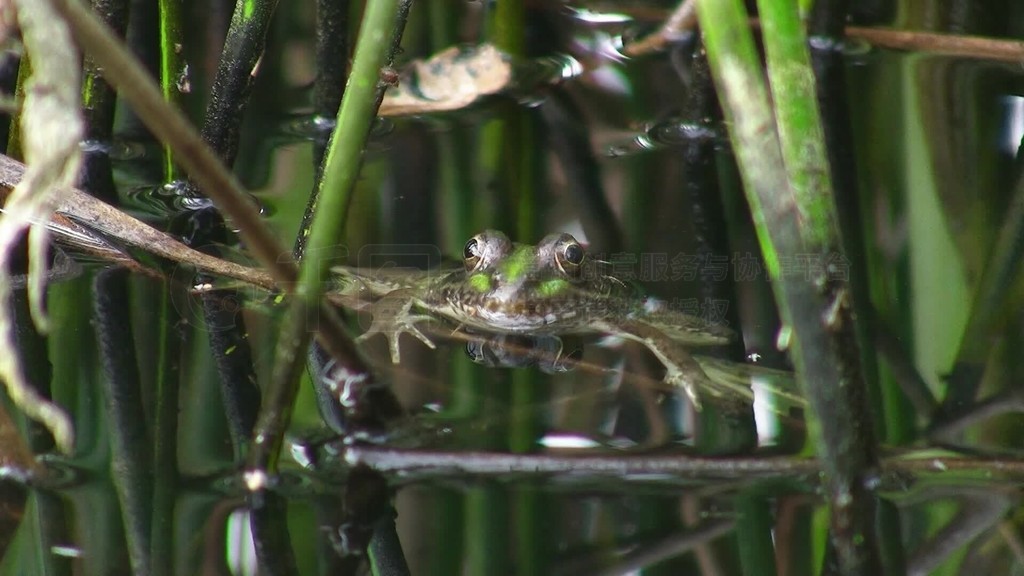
[570, 257]
[472, 253]
[574, 254]
[484, 249]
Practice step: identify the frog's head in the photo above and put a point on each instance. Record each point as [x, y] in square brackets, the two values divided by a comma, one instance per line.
[557, 267]
[509, 287]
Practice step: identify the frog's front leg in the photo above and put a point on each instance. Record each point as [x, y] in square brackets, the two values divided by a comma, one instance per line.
[392, 315]
[680, 367]
[682, 327]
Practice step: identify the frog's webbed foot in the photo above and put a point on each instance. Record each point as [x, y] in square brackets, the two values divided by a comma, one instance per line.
[681, 369]
[392, 317]
[677, 378]
[734, 380]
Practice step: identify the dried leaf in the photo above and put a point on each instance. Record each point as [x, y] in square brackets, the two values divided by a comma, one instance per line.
[15, 455]
[450, 80]
[51, 128]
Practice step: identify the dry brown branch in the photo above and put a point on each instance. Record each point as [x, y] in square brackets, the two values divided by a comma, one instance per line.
[98, 216]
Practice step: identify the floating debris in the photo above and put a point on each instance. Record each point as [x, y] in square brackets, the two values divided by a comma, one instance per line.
[462, 75]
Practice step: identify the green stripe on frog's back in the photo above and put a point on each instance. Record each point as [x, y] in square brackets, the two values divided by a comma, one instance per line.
[480, 282]
[552, 287]
[517, 263]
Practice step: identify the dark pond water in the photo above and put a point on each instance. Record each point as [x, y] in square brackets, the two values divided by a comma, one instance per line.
[572, 458]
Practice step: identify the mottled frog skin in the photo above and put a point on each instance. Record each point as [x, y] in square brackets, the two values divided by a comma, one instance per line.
[554, 288]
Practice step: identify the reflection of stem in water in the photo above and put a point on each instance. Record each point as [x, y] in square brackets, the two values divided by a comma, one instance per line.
[130, 445]
[628, 560]
[947, 432]
[385, 548]
[423, 463]
[981, 509]
[268, 520]
[996, 292]
[680, 465]
[905, 373]
[570, 141]
[1008, 530]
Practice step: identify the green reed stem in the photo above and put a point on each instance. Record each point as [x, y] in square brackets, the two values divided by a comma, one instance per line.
[165, 437]
[786, 180]
[378, 40]
[243, 46]
[509, 27]
[172, 66]
[799, 124]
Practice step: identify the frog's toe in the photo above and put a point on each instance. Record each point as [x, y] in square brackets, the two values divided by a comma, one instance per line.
[364, 337]
[367, 335]
[396, 353]
[396, 356]
[679, 380]
[410, 327]
[392, 338]
[407, 327]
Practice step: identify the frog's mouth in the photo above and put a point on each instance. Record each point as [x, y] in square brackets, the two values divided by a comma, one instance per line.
[497, 314]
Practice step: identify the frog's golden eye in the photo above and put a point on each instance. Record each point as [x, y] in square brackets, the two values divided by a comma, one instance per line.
[472, 253]
[484, 249]
[570, 256]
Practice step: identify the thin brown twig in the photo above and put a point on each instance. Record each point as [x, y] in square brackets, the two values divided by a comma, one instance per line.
[675, 544]
[682, 21]
[977, 47]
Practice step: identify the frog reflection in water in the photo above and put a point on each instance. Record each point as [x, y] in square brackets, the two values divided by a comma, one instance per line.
[549, 354]
[554, 288]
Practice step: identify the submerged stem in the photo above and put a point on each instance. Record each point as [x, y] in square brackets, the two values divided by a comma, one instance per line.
[379, 36]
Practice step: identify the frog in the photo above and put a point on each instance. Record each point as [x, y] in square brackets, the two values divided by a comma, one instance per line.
[554, 288]
[549, 354]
